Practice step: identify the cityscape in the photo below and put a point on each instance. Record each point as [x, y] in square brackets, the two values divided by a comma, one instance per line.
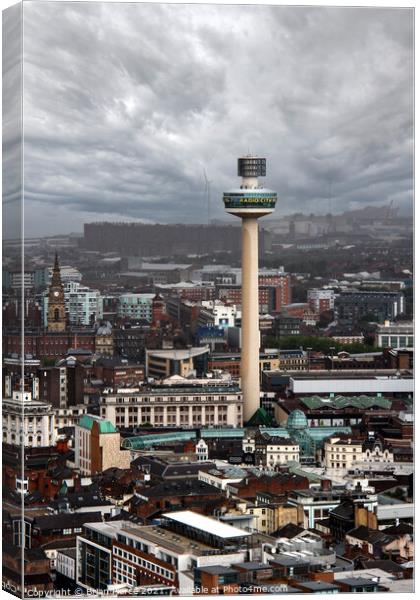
[221, 404]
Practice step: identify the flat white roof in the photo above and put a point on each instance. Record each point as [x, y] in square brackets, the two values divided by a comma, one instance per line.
[372, 385]
[393, 511]
[111, 529]
[207, 524]
[176, 354]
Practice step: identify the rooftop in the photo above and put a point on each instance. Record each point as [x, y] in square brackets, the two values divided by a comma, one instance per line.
[105, 426]
[178, 354]
[167, 539]
[317, 586]
[315, 402]
[206, 524]
[218, 570]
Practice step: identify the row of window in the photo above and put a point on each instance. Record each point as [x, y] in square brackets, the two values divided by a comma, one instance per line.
[144, 399]
[141, 562]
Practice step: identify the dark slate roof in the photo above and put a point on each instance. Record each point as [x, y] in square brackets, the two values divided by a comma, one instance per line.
[386, 565]
[361, 533]
[167, 470]
[59, 544]
[318, 586]
[288, 531]
[31, 554]
[187, 487]
[357, 581]
[344, 510]
[65, 520]
[29, 499]
[401, 529]
[81, 499]
[323, 523]
[371, 536]
[218, 570]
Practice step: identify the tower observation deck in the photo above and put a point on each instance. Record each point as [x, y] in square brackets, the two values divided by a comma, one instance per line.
[250, 201]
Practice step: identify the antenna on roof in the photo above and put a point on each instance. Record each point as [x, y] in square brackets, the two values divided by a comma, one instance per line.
[207, 191]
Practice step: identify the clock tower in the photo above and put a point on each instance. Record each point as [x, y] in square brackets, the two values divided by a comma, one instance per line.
[56, 304]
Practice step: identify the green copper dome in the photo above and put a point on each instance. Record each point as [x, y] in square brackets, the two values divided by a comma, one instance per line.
[297, 420]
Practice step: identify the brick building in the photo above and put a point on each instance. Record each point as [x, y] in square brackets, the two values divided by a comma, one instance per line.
[277, 484]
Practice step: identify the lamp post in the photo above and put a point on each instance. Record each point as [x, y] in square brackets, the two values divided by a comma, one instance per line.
[332, 348]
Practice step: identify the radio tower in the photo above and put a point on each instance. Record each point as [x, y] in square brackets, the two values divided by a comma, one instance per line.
[250, 202]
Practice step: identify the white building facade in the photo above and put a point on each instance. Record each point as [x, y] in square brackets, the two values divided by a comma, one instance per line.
[224, 315]
[347, 454]
[395, 335]
[174, 407]
[28, 422]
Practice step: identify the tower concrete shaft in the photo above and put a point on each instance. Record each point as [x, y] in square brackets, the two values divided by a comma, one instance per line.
[250, 351]
[250, 201]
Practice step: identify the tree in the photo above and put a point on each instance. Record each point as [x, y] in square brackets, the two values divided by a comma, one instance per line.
[318, 344]
[325, 318]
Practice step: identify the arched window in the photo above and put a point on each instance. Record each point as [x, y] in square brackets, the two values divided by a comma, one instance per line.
[56, 314]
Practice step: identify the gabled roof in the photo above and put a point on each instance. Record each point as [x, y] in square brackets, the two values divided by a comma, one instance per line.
[401, 529]
[345, 510]
[386, 565]
[372, 536]
[288, 531]
[260, 417]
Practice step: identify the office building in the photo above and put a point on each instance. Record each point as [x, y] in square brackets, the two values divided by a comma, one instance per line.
[376, 306]
[119, 553]
[165, 363]
[320, 300]
[272, 451]
[137, 307]
[395, 335]
[174, 406]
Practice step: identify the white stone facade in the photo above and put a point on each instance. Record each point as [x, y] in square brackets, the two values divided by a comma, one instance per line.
[174, 407]
[28, 422]
[343, 455]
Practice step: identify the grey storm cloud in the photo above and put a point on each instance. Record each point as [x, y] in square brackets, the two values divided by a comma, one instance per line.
[126, 104]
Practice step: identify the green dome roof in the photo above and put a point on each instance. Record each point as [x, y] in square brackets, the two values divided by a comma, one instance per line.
[297, 420]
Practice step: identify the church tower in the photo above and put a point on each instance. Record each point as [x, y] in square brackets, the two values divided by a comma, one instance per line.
[56, 305]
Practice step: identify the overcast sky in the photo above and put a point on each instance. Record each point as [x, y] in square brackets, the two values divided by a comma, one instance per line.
[125, 104]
